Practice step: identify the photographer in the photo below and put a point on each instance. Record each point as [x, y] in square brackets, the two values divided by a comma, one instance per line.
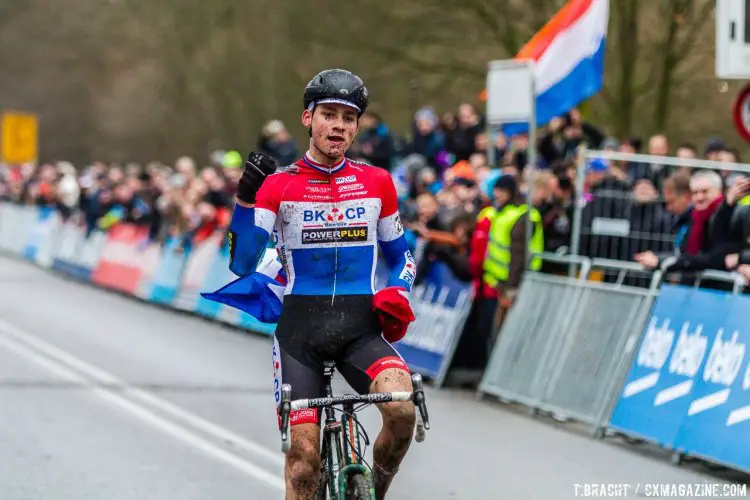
[733, 222]
[443, 237]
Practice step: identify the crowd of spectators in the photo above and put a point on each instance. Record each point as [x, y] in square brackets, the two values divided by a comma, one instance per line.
[445, 180]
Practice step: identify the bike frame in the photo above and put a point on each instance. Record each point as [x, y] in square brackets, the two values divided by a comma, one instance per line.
[343, 437]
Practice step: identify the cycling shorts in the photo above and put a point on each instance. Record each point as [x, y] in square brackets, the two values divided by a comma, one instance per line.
[315, 329]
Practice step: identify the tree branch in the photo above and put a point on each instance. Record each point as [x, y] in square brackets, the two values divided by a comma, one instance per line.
[507, 37]
[694, 30]
[394, 53]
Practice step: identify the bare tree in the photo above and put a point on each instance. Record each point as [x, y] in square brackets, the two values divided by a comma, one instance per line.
[686, 21]
[157, 79]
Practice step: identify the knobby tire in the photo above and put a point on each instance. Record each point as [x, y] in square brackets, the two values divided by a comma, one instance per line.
[359, 487]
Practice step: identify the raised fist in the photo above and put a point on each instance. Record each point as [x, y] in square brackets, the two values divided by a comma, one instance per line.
[258, 166]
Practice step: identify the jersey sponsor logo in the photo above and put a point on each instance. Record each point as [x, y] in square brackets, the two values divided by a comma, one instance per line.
[276, 356]
[343, 235]
[385, 363]
[346, 179]
[351, 187]
[231, 238]
[409, 272]
[317, 197]
[289, 169]
[353, 195]
[399, 225]
[317, 189]
[352, 163]
[306, 416]
[318, 181]
[333, 217]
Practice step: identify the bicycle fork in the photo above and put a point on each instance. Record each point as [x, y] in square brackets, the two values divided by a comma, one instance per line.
[331, 442]
[351, 452]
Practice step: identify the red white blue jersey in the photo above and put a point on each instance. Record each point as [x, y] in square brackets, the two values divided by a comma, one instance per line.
[326, 223]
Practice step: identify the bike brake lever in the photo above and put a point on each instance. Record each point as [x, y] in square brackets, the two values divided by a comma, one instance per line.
[286, 398]
[419, 400]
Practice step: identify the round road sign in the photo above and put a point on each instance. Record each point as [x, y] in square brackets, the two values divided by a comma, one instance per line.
[741, 112]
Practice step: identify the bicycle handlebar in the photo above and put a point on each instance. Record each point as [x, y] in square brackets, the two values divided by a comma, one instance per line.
[375, 398]
[417, 396]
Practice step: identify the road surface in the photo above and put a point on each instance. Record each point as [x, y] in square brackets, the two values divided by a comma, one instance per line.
[104, 397]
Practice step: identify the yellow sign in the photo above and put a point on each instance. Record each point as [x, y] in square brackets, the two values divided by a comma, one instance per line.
[20, 137]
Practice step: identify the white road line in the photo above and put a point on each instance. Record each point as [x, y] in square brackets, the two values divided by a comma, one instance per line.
[146, 415]
[274, 457]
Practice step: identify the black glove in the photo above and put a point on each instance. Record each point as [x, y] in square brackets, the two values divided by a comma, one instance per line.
[258, 166]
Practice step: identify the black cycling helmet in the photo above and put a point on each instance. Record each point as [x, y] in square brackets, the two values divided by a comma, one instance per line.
[336, 86]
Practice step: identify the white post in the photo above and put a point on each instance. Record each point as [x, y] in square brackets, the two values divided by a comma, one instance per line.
[531, 159]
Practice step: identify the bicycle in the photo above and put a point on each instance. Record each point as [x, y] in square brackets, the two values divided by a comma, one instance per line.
[349, 471]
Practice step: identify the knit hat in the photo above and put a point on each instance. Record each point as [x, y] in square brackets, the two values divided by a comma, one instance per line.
[507, 183]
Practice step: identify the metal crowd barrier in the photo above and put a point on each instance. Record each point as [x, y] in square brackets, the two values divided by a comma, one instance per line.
[567, 343]
[611, 222]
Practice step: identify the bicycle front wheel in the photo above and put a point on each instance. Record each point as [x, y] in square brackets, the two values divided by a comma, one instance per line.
[360, 488]
[322, 493]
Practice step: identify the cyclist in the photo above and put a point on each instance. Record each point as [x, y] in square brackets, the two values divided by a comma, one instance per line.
[327, 214]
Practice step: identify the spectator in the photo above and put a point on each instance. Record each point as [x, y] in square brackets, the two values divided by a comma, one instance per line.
[509, 242]
[714, 147]
[120, 208]
[185, 167]
[677, 199]
[678, 202]
[232, 165]
[656, 173]
[473, 350]
[435, 230]
[461, 137]
[728, 155]
[611, 144]
[501, 146]
[702, 248]
[607, 197]
[565, 134]
[276, 141]
[650, 223]
[467, 192]
[425, 181]
[68, 190]
[374, 143]
[115, 175]
[504, 193]
[429, 139]
[733, 222]
[557, 221]
[686, 150]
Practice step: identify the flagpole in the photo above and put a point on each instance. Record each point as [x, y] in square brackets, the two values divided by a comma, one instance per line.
[531, 162]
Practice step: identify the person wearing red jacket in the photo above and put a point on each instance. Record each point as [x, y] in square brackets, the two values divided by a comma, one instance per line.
[472, 353]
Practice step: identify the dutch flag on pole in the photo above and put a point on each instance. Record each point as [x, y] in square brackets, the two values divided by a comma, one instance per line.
[569, 59]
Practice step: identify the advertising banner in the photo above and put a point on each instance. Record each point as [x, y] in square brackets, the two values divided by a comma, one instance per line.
[120, 265]
[75, 254]
[165, 283]
[689, 385]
